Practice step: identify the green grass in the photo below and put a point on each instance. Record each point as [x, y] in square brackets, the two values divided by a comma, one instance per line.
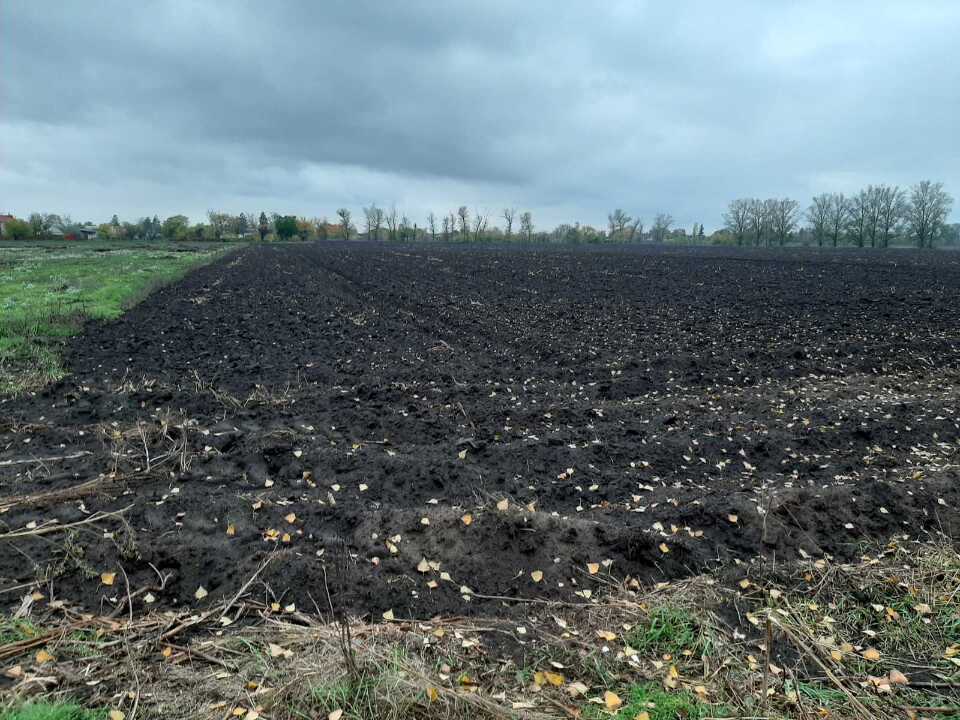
[45, 711]
[667, 630]
[47, 291]
[659, 705]
[357, 699]
[12, 631]
[821, 694]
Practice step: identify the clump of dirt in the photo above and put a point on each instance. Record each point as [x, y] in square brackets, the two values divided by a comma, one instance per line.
[433, 431]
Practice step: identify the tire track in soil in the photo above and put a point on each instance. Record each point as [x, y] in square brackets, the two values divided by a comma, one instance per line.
[676, 395]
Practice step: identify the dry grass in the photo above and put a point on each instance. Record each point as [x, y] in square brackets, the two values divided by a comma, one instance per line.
[795, 645]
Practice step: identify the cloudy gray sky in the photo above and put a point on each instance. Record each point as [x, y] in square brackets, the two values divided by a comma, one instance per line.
[565, 108]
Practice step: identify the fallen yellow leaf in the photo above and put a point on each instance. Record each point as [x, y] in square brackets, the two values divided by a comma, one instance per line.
[555, 679]
[898, 678]
[279, 651]
[107, 578]
[612, 700]
[42, 657]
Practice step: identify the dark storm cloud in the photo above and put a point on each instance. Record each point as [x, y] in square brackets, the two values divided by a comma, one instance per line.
[565, 108]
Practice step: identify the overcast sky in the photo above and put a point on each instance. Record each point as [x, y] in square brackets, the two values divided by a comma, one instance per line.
[568, 109]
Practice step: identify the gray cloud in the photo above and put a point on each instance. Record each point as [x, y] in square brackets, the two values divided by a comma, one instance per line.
[565, 108]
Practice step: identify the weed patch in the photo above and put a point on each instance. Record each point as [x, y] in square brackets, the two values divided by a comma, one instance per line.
[47, 711]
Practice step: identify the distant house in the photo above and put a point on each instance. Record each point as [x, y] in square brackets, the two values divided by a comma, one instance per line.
[73, 233]
[4, 219]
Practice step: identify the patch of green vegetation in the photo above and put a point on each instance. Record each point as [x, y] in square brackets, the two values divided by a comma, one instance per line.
[83, 644]
[46, 293]
[377, 693]
[898, 628]
[824, 696]
[668, 630]
[357, 698]
[46, 711]
[659, 705]
[13, 631]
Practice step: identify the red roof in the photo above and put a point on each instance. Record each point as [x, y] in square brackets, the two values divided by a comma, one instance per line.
[6, 218]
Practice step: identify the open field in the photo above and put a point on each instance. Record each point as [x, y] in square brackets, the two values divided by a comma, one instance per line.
[651, 472]
[47, 291]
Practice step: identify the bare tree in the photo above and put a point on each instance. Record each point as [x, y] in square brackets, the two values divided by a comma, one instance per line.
[618, 220]
[661, 226]
[758, 219]
[463, 216]
[837, 220]
[526, 226]
[927, 212]
[858, 214]
[872, 227]
[218, 223]
[818, 215]
[508, 215]
[769, 211]
[391, 220]
[737, 218]
[432, 224]
[783, 219]
[404, 228]
[635, 230]
[321, 224]
[893, 205]
[374, 216]
[479, 225]
[344, 216]
[447, 228]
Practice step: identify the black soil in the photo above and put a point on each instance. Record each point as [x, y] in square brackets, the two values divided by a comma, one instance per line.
[713, 406]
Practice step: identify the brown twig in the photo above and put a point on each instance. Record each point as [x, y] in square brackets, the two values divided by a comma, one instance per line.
[766, 666]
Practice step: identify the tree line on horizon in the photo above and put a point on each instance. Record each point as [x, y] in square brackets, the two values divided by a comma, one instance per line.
[877, 217]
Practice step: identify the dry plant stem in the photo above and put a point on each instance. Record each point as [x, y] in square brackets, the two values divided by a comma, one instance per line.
[943, 709]
[47, 529]
[246, 585]
[802, 647]
[344, 639]
[766, 666]
[58, 458]
[70, 493]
